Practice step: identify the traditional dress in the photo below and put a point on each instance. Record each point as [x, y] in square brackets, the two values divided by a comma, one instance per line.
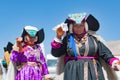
[29, 60]
[7, 52]
[83, 57]
[85, 64]
[31, 63]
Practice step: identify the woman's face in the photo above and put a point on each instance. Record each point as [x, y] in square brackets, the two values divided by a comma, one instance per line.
[78, 28]
[30, 40]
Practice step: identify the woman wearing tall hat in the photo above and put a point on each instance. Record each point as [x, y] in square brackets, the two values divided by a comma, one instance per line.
[85, 53]
[28, 55]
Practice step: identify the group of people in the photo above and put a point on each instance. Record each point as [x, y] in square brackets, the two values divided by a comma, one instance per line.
[27, 61]
[81, 51]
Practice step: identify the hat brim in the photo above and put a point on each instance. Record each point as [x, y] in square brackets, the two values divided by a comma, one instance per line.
[93, 23]
[8, 47]
[69, 21]
[24, 33]
[39, 34]
[5, 49]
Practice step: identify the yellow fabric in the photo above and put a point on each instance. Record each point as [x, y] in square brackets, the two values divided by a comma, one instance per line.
[7, 57]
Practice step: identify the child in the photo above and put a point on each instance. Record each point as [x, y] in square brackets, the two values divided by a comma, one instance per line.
[28, 55]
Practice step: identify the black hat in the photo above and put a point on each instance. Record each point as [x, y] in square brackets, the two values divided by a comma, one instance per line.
[8, 47]
[5, 49]
[75, 18]
[69, 21]
[39, 34]
[93, 23]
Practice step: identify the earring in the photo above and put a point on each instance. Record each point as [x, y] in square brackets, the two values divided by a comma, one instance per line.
[86, 26]
[36, 38]
[70, 28]
[25, 39]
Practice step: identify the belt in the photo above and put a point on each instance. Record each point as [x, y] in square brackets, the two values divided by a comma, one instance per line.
[67, 58]
[27, 63]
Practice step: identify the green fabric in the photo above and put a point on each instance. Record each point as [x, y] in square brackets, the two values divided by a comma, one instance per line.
[32, 33]
[77, 17]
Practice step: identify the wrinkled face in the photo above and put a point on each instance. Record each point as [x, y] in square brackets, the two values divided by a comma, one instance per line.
[78, 28]
[30, 40]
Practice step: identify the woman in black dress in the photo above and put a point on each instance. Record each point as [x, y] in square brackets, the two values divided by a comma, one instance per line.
[82, 49]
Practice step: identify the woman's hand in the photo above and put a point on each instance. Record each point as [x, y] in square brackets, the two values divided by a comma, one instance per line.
[19, 39]
[116, 65]
[60, 32]
[19, 43]
[61, 29]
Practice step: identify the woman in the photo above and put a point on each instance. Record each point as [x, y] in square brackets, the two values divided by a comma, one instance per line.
[82, 49]
[28, 55]
[7, 52]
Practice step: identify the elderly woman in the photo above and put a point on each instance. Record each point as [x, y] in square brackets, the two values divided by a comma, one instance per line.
[83, 50]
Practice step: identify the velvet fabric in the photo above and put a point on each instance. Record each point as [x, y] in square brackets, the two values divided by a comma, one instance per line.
[28, 71]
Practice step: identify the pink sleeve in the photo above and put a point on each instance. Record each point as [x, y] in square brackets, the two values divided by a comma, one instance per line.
[55, 44]
[111, 60]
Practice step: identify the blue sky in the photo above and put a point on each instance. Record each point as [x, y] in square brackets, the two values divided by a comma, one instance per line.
[15, 14]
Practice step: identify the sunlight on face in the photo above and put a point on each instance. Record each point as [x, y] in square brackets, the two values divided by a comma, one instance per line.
[78, 28]
[30, 40]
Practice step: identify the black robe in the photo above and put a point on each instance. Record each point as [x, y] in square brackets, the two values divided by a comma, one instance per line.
[75, 69]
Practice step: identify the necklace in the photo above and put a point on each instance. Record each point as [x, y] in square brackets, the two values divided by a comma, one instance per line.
[82, 41]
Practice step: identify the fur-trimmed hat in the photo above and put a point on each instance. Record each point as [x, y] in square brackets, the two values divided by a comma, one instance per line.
[33, 32]
[91, 21]
[8, 47]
